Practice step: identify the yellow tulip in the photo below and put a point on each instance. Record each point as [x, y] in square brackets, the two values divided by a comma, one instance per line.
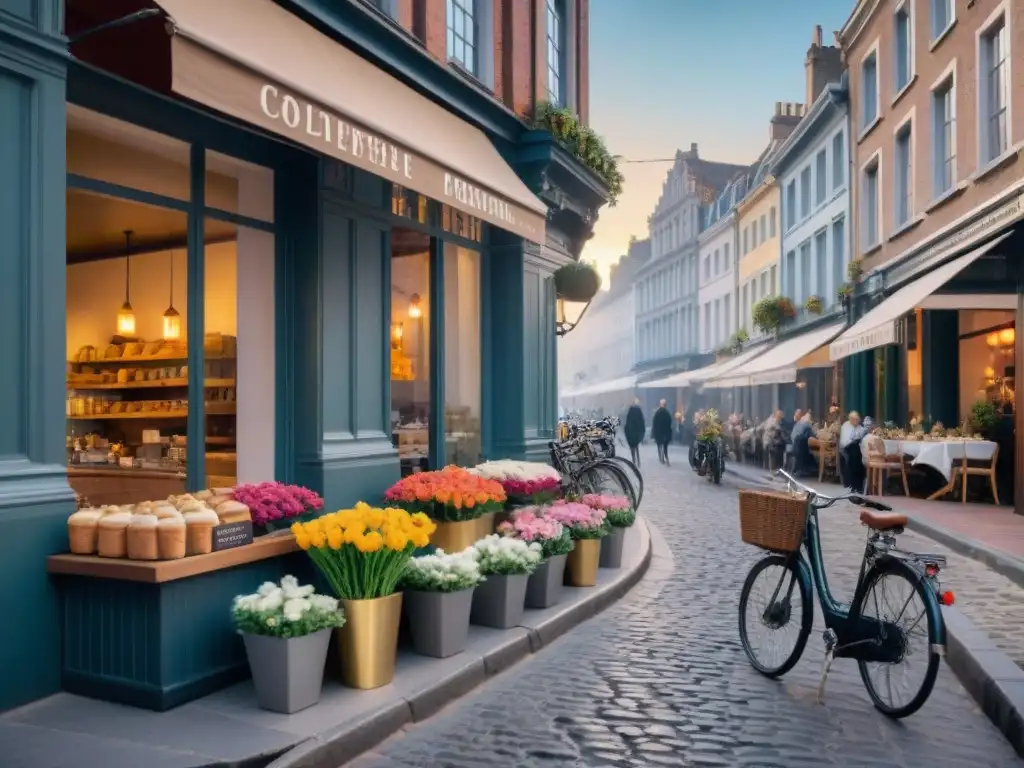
[302, 539]
[372, 542]
[396, 540]
[318, 538]
[419, 539]
[335, 538]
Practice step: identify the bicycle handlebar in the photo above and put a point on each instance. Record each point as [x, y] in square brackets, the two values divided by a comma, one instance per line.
[813, 495]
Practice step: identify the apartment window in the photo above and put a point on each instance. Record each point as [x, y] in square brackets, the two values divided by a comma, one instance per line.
[869, 204]
[869, 90]
[838, 160]
[820, 182]
[994, 92]
[746, 303]
[746, 249]
[727, 321]
[902, 176]
[773, 276]
[718, 263]
[764, 283]
[462, 35]
[753, 235]
[707, 325]
[707, 268]
[790, 274]
[903, 53]
[725, 253]
[944, 137]
[820, 263]
[556, 86]
[943, 14]
[838, 257]
[805, 192]
[791, 204]
[718, 322]
[771, 222]
[805, 271]
[764, 226]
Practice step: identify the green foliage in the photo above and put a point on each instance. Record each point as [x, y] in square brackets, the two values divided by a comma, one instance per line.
[621, 518]
[854, 270]
[771, 312]
[577, 281]
[813, 305]
[582, 143]
[984, 416]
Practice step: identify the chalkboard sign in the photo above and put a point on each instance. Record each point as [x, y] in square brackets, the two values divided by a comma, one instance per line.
[230, 535]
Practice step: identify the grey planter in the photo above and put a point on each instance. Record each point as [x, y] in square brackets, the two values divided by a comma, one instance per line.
[544, 587]
[438, 621]
[611, 548]
[500, 601]
[287, 673]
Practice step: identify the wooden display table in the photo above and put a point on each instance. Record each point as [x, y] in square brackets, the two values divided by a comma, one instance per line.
[159, 634]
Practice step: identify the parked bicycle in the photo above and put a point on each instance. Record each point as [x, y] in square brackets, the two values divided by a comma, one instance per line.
[597, 439]
[584, 473]
[885, 635]
[708, 459]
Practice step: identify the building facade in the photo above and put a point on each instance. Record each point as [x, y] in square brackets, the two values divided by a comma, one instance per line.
[718, 247]
[667, 286]
[936, 207]
[368, 258]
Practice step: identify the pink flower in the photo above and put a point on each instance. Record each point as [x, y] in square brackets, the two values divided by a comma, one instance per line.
[530, 524]
[274, 501]
[606, 502]
[576, 515]
[515, 487]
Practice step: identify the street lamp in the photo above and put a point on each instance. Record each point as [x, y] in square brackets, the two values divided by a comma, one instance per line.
[568, 314]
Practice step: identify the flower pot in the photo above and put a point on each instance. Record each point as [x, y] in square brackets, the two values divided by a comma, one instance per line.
[544, 587]
[287, 672]
[581, 570]
[455, 537]
[611, 548]
[368, 642]
[438, 621]
[499, 601]
[488, 524]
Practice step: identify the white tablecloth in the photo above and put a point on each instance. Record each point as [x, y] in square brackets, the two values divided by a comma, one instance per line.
[938, 454]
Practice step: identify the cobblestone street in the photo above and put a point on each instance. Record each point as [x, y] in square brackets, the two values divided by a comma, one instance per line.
[660, 679]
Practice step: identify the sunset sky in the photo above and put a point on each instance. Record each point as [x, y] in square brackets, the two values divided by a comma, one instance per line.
[666, 73]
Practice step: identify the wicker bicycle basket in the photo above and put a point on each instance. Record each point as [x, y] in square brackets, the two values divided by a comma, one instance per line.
[773, 520]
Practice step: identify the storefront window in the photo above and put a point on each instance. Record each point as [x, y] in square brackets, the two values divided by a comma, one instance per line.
[461, 355]
[127, 403]
[410, 347]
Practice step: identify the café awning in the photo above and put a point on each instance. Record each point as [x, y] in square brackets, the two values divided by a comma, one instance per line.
[878, 327]
[780, 364]
[623, 384]
[255, 61]
[710, 376]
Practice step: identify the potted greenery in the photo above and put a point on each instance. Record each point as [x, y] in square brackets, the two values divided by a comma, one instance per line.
[737, 340]
[580, 141]
[506, 565]
[844, 293]
[530, 524]
[362, 553]
[286, 629]
[587, 526]
[438, 596]
[771, 312]
[620, 516]
[984, 417]
[577, 281]
[854, 270]
[814, 305]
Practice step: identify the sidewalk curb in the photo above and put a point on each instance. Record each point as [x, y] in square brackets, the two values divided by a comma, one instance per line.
[991, 677]
[340, 745]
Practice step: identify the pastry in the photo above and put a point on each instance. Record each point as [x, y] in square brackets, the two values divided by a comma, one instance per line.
[112, 539]
[217, 499]
[163, 510]
[233, 512]
[123, 374]
[170, 538]
[203, 495]
[82, 529]
[191, 505]
[141, 537]
[199, 531]
[112, 352]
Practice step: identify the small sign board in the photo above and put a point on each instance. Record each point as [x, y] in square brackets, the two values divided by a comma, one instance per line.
[230, 535]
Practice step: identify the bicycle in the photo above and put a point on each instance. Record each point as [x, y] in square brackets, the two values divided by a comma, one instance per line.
[599, 438]
[708, 459]
[573, 458]
[787, 523]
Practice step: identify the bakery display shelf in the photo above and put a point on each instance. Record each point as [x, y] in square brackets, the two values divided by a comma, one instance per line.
[148, 359]
[212, 409]
[161, 571]
[154, 384]
[219, 440]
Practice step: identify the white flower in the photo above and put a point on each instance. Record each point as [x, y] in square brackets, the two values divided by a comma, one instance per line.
[271, 602]
[509, 469]
[266, 588]
[323, 603]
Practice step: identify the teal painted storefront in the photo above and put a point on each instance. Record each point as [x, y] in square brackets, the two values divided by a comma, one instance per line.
[332, 226]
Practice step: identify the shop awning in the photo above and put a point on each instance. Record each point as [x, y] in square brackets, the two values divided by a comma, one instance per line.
[669, 382]
[624, 384]
[713, 374]
[878, 327]
[254, 60]
[780, 364]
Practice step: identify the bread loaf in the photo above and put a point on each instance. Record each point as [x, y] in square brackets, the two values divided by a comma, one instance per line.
[112, 537]
[83, 527]
[141, 538]
[170, 534]
[233, 512]
[199, 530]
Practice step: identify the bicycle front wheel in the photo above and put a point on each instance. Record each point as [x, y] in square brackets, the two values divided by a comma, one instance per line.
[776, 615]
[633, 475]
[904, 607]
[605, 477]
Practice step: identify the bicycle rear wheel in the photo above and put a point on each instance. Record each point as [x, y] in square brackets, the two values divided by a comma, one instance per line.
[773, 600]
[633, 475]
[605, 477]
[898, 596]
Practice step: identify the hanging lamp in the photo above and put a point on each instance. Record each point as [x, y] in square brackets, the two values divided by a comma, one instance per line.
[172, 320]
[126, 317]
[415, 310]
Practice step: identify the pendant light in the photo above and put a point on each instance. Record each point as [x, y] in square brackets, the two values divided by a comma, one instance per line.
[172, 320]
[126, 317]
[414, 306]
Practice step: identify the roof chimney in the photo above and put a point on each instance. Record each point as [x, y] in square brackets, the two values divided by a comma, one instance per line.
[822, 66]
[693, 149]
[816, 41]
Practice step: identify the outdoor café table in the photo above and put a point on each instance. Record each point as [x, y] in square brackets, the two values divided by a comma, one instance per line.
[948, 457]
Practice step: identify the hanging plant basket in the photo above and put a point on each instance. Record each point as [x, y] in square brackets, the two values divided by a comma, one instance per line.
[578, 281]
[771, 312]
[813, 305]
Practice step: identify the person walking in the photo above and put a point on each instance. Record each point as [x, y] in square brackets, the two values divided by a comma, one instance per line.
[661, 431]
[635, 428]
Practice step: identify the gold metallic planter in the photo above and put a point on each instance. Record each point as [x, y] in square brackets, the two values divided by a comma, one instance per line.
[455, 537]
[368, 642]
[488, 524]
[581, 568]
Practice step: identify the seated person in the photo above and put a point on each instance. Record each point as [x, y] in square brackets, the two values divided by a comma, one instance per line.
[803, 460]
[850, 457]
